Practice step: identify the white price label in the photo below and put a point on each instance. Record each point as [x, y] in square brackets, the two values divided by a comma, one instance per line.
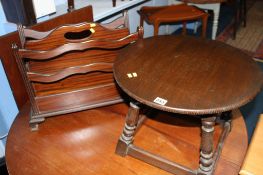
[160, 101]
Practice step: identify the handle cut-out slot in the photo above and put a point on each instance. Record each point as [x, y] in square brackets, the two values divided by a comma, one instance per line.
[77, 35]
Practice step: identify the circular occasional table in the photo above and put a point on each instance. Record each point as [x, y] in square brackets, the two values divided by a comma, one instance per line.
[190, 76]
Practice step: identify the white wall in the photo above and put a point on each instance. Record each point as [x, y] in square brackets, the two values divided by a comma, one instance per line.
[2, 14]
[5, 27]
[8, 107]
[59, 2]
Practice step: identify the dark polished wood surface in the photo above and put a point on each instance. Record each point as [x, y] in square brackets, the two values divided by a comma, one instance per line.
[84, 143]
[195, 76]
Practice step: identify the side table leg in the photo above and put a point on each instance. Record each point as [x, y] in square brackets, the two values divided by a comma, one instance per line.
[216, 11]
[127, 135]
[156, 29]
[204, 25]
[225, 121]
[206, 154]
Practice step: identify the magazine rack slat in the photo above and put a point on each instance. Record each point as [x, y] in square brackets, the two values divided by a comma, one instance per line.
[69, 68]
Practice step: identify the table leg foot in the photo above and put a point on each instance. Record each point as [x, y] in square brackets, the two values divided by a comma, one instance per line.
[127, 135]
[34, 123]
[122, 148]
[33, 126]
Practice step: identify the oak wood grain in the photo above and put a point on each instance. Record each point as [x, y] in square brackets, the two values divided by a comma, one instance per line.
[194, 75]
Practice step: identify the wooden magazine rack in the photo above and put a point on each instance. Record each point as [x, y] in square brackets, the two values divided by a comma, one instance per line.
[69, 68]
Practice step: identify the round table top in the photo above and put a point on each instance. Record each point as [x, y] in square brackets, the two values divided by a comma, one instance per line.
[83, 143]
[187, 75]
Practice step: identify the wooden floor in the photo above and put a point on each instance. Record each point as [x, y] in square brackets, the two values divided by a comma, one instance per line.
[84, 143]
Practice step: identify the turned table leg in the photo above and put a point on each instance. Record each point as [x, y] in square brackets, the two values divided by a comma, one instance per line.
[204, 25]
[126, 137]
[216, 11]
[206, 154]
[114, 3]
